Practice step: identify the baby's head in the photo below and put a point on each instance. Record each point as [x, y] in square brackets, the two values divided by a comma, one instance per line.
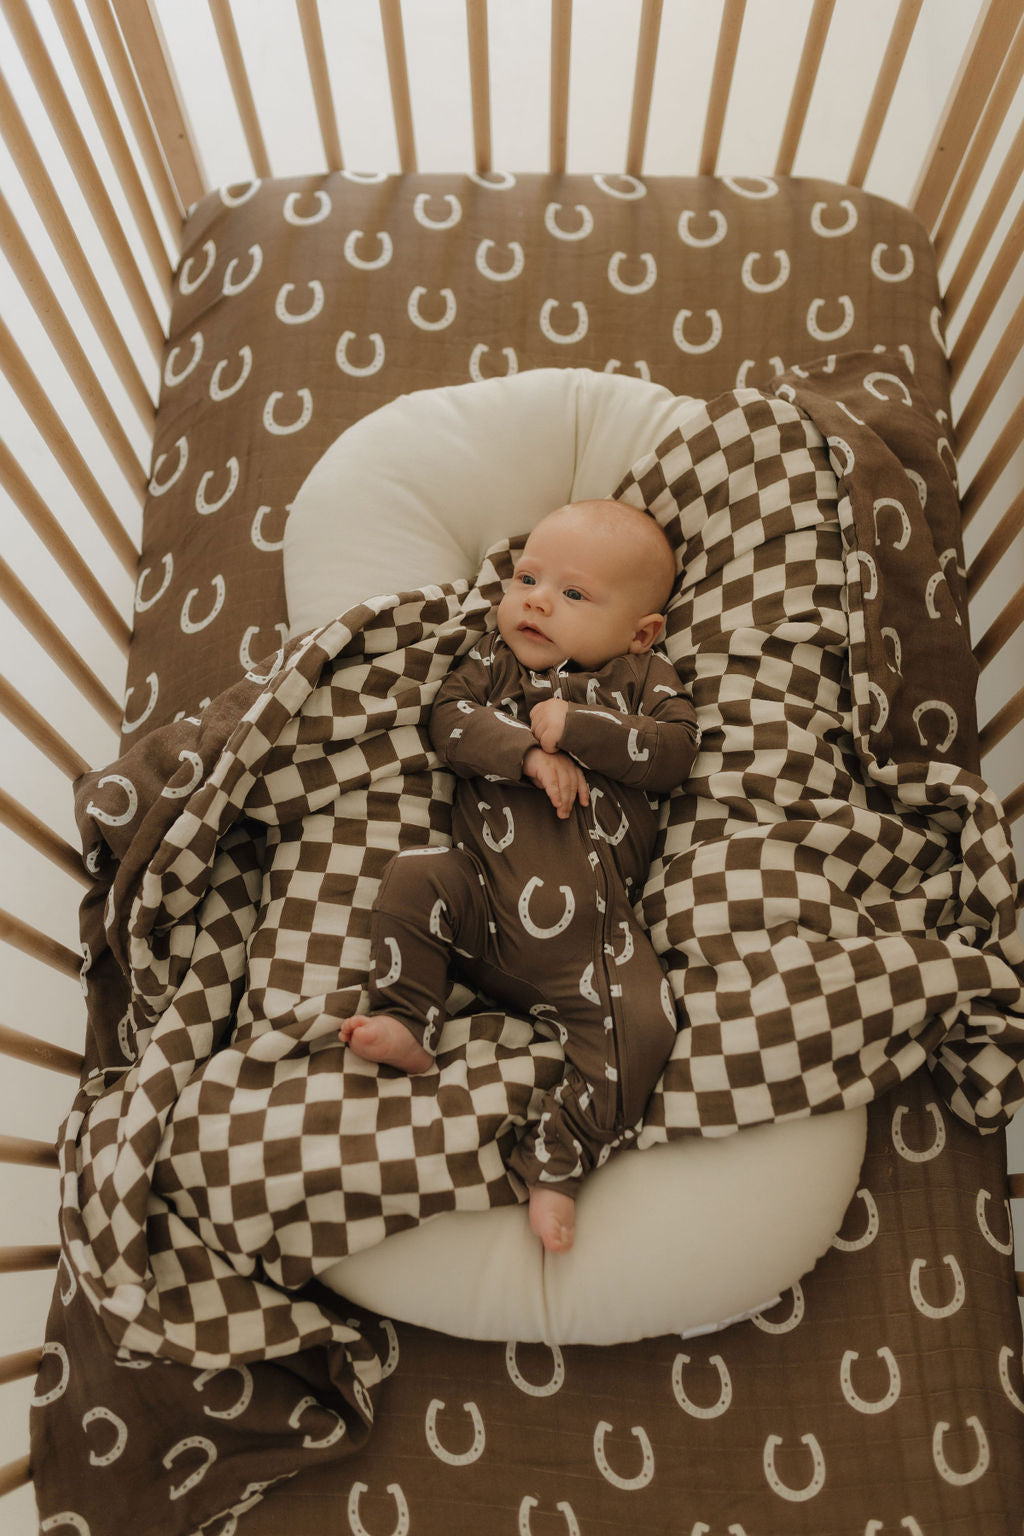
[591, 583]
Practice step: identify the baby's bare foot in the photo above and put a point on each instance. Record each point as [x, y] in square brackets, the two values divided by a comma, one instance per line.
[379, 1037]
[553, 1218]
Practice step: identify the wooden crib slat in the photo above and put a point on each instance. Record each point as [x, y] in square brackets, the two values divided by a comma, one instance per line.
[643, 85]
[50, 207]
[55, 643]
[997, 544]
[885, 86]
[52, 536]
[86, 171]
[98, 96]
[561, 57]
[1016, 1183]
[803, 86]
[19, 1366]
[991, 291]
[41, 946]
[241, 89]
[320, 81]
[479, 82]
[64, 336]
[984, 227]
[995, 371]
[23, 1152]
[398, 78]
[1002, 723]
[17, 1261]
[145, 44]
[15, 1475]
[39, 731]
[65, 450]
[120, 66]
[992, 119]
[992, 466]
[24, 824]
[721, 83]
[39, 1053]
[975, 77]
[1001, 631]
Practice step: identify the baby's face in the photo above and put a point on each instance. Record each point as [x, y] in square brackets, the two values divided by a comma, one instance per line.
[573, 596]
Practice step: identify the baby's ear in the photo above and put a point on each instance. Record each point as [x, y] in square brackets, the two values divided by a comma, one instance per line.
[647, 632]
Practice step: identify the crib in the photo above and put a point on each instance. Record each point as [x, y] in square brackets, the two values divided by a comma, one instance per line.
[131, 128]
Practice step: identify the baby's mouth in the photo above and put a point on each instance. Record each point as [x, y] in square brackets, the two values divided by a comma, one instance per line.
[532, 632]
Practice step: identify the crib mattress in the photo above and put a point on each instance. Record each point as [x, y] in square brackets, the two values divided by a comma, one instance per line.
[885, 1391]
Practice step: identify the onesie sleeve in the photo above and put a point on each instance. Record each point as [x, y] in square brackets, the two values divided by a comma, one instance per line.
[473, 738]
[652, 749]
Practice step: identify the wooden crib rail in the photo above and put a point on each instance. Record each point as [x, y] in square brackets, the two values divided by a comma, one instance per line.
[90, 227]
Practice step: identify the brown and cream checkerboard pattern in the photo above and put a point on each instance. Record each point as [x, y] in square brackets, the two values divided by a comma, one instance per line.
[833, 895]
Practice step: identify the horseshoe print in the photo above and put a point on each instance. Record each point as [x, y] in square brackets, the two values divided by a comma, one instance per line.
[450, 309]
[927, 1153]
[896, 665]
[634, 188]
[177, 793]
[831, 231]
[1005, 1356]
[44, 1399]
[485, 270]
[942, 1466]
[143, 603]
[986, 1230]
[778, 281]
[186, 282]
[106, 1458]
[696, 347]
[627, 1484]
[391, 1334]
[158, 487]
[719, 231]
[767, 187]
[508, 353]
[818, 331]
[219, 391]
[627, 947]
[395, 969]
[696, 1411]
[792, 1321]
[190, 1443]
[854, 1244]
[553, 227]
[332, 1436]
[648, 280]
[230, 287]
[302, 420]
[257, 535]
[323, 208]
[775, 1483]
[316, 303]
[870, 1405]
[892, 277]
[371, 263]
[107, 817]
[873, 380]
[643, 369]
[524, 910]
[532, 1389]
[236, 199]
[204, 507]
[936, 706]
[66, 1517]
[455, 1458]
[360, 370]
[244, 1397]
[567, 338]
[245, 655]
[454, 214]
[881, 504]
[153, 684]
[170, 377]
[402, 1508]
[959, 1288]
[566, 1510]
[192, 626]
[609, 837]
[498, 845]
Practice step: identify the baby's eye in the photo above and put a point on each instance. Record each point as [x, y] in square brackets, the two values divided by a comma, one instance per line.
[574, 594]
[526, 579]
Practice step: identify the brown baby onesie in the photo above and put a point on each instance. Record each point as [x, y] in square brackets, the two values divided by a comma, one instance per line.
[537, 911]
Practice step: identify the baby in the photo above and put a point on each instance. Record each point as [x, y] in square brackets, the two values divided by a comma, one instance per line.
[534, 902]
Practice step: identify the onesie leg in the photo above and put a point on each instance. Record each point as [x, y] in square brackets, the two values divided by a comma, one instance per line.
[426, 903]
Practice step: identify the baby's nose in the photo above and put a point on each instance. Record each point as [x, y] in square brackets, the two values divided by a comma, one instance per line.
[538, 597]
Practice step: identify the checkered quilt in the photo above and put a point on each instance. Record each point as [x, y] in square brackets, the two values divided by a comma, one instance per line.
[833, 895]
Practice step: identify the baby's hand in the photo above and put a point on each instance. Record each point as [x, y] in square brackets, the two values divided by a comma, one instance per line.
[547, 722]
[560, 776]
